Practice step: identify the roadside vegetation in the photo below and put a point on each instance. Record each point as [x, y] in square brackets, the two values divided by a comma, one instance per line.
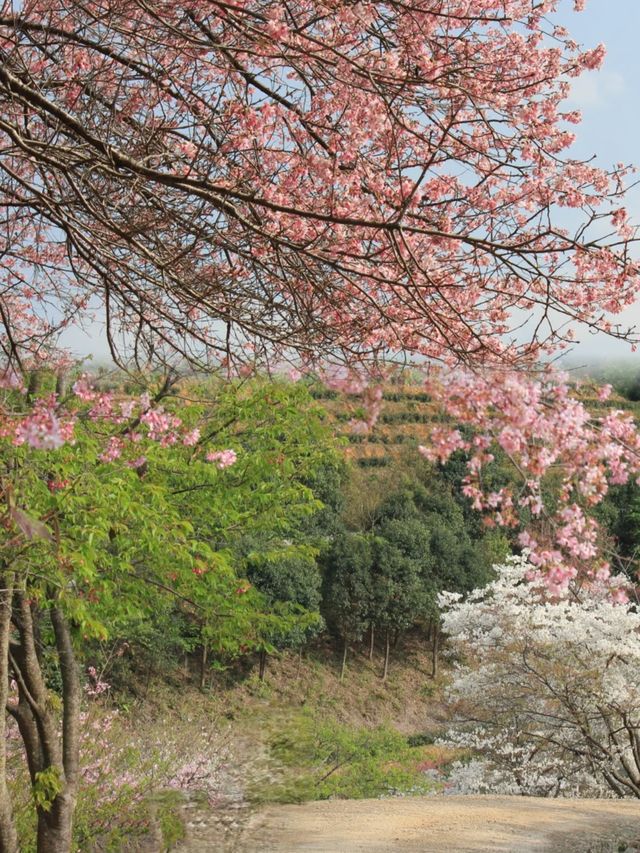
[251, 585]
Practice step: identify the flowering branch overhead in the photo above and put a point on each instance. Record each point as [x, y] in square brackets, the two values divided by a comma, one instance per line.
[317, 178]
[258, 181]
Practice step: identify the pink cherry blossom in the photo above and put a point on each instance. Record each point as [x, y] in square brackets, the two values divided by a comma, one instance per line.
[541, 427]
[191, 438]
[222, 458]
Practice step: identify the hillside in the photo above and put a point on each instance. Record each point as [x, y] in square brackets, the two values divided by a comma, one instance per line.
[301, 735]
[408, 411]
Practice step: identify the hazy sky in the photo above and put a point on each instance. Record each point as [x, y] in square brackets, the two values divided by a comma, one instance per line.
[609, 101]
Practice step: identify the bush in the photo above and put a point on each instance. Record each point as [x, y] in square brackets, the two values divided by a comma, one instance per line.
[326, 760]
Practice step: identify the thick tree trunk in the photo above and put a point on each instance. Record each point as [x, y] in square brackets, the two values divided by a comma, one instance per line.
[8, 836]
[34, 386]
[263, 664]
[46, 751]
[55, 827]
[435, 643]
[344, 659]
[387, 645]
[372, 641]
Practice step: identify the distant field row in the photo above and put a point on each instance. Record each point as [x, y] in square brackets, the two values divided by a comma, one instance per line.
[406, 414]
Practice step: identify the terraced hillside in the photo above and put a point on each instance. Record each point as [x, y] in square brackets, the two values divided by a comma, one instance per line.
[408, 412]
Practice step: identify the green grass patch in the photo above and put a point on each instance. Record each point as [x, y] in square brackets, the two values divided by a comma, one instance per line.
[319, 760]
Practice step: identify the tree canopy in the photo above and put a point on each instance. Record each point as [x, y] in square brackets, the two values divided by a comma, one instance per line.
[301, 177]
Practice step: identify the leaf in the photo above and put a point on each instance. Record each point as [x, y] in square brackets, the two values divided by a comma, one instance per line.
[47, 786]
[31, 527]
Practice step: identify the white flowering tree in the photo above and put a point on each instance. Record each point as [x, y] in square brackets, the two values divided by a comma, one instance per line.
[548, 694]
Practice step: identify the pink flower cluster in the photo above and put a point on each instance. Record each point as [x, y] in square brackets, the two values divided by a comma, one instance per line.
[222, 458]
[113, 449]
[95, 685]
[47, 427]
[540, 426]
[43, 428]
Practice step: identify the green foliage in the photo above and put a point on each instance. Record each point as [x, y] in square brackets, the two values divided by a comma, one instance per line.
[329, 759]
[327, 482]
[150, 564]
[180, 558]
[287, 574]
[46, 788]
[348, 593]
[400, 596]
[415, 540]
[289, 581]
[171, 825]
[157, 558]
[619, 514]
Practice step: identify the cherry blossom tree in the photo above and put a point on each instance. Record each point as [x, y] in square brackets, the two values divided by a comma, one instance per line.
[244, 183]
[552, 439]
[319, 178]
[548, 693]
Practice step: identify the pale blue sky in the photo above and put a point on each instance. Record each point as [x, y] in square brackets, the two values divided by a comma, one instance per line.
[608, 100]
[610, 129]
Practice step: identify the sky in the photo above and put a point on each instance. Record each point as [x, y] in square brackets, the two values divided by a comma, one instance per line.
[609, 100]
[610, 128]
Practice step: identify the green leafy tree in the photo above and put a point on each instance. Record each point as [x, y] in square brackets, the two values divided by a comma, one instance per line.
[257, 509]
[348, 588]
[289, 580]
[420, 540]
[95, 550]
[398, 591]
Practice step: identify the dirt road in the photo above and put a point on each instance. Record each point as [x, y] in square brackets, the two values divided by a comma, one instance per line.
[448, 825]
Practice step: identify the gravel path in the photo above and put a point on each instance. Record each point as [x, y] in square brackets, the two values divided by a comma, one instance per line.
[447, 825]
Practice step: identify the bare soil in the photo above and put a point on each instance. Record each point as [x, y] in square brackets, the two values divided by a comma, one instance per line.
[446, 824]
[410, 702]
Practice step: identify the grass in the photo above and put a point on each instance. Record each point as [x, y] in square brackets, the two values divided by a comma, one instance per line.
[319, 760]
[301, 734]
[325, 738]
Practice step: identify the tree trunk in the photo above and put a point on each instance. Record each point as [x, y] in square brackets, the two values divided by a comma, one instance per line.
[55, 827]
[65, 803]
[372, 641]
[263, 664]
[434, 649]
[48, 753]
[344, 660]
[396, 638]
[34, 386]
[8, 836]
[203, 666]
[61, 384]
[386, 655]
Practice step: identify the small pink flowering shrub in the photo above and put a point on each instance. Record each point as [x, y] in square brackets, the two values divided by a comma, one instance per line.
[131, 770]
[222, 458]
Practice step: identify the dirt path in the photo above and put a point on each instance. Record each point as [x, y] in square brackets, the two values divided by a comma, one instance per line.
[447, 825]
